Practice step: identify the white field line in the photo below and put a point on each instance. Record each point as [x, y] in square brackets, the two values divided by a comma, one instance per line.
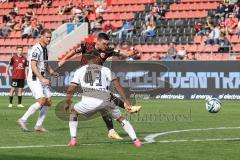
[151, 137]
[148, 139]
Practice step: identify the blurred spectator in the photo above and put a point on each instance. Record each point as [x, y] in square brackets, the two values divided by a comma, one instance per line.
[150, 17]
[15, 9]
[108, 28]
[35, 3]
[228, 9]
[100, 9]
[8, 27]
[181, 53]
[6, 18]
[214, 36]
[221, 24]
[231, 25]
[236, 11]
[155, 9]
[96, 25]
[224, 45]
[29, 14]
[209, 24]
[149, 29]
[171, 53]
[36, 28]
[18, 26]
[76, 10]
[65, 9]
[127, 29]
[190, 56]
[199, 29]
[27, 28]
[161, 12]
[220, 11]
[46, 3]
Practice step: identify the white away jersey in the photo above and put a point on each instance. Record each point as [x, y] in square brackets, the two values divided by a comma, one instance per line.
[94, 81]
[39, 54]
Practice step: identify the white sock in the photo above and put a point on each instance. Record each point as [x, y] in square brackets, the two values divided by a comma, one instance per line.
[31, 110]
[129, 129]
[73, 124]
[42, 115]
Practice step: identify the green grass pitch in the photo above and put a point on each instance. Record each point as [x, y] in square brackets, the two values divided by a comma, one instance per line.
[156, 116]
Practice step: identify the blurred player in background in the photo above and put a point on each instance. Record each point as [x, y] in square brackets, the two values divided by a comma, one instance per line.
[19, 64]
[102, 52]
[38, 83]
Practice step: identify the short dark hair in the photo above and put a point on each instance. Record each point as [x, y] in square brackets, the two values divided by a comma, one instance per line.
[44, 31]
[102, 35]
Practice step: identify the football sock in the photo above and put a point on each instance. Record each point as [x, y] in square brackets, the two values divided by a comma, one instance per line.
[73, 124]
[31, 110]
[42, 115]
[108, 121]
[10, 99]
[129, 129]
[118, 102]
[19, 99]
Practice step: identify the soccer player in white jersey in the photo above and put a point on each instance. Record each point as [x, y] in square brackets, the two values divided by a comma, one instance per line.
[95, 80]
[38, 83]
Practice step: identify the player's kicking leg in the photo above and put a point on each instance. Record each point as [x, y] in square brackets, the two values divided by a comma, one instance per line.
[116, 114]
[108, 119]
[112, 134]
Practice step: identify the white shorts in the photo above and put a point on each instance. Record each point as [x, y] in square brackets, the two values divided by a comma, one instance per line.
[39, 90]
[110, 109]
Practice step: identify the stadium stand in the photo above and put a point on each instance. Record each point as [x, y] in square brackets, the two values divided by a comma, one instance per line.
[187, 23]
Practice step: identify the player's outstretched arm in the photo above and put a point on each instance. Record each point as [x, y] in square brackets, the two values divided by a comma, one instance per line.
[69, 55]
[69, 94]
[121, 91]
[37, 73]
[52, 72]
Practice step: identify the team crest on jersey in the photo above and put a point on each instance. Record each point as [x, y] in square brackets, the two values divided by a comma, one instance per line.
[102, 55]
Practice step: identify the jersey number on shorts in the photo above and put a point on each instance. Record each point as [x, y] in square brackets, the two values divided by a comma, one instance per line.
[89, 78]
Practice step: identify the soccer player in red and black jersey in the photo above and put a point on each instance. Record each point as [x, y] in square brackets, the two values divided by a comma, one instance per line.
[100, 52]
[19, 64]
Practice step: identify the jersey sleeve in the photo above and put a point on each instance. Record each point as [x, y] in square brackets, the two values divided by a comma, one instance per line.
[76, 77]
[35, 54]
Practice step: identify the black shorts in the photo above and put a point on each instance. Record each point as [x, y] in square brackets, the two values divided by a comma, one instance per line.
[19, 83]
